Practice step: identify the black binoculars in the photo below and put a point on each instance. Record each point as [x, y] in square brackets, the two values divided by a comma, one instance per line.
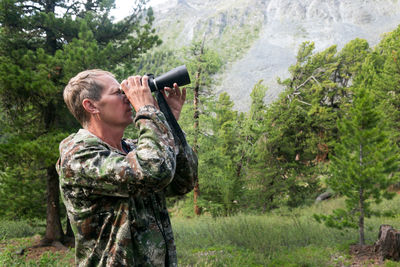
[180, 76]
[177, 75]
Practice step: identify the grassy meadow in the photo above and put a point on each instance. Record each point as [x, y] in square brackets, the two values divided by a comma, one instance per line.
[280, 238]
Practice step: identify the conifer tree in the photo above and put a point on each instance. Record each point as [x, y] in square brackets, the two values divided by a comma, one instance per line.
[386, 70]
[196, 119]
[364, 163]
[218, 154]
[299, 128]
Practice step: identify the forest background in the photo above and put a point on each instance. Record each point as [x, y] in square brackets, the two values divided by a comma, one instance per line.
[275, 157]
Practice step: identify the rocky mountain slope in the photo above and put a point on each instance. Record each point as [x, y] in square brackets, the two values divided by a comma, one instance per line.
[259, 38]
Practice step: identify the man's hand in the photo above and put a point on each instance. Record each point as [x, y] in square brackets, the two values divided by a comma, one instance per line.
[137, 90]
[175, 99]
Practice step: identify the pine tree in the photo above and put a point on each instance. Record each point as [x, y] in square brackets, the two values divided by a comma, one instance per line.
[364, 163]
[386, 69]
[202, 64]
[218, 154]
[296, 135]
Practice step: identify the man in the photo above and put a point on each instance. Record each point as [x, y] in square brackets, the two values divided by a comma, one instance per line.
[114, 189]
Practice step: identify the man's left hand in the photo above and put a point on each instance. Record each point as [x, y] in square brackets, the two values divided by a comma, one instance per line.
[175, 99]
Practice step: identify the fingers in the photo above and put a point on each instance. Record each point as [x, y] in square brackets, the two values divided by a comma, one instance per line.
[138, 92]
[163, 92]
[135, 83]
[144, 81]
[175, 91]
[171, 91]
[138, 81]
[183, 94]
[124, 85]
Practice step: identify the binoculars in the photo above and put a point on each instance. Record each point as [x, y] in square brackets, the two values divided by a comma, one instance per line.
[177, 75]
[180, 76]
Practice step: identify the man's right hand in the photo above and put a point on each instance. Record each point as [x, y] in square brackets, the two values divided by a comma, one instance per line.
[137, 90]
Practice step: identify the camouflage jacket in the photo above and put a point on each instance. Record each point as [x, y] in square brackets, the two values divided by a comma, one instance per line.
[116, 201]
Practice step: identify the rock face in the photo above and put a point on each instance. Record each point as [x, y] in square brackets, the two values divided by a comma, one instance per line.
[269, 33]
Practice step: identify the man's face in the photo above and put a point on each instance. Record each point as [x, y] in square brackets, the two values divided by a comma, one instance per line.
[115, 109]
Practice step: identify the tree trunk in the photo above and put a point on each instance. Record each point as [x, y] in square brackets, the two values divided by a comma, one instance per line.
[196, 132]
[196, 192]
[239, 165]
[361, 205]
[388, 243]
[54, 232]
[361, 218]
[51, 39]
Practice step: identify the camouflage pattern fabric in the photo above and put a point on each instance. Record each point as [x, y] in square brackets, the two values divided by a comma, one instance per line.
[116, 201]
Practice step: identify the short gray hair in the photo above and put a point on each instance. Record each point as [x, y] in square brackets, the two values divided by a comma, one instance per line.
[83, 86]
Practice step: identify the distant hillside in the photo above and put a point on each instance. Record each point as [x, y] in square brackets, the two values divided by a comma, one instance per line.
[259, 39]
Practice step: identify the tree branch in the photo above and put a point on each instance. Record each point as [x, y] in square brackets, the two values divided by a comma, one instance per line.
[297, 90]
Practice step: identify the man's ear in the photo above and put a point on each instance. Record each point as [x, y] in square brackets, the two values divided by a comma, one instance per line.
[90, 106]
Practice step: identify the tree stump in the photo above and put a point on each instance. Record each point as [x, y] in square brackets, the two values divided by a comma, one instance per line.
[388, 244]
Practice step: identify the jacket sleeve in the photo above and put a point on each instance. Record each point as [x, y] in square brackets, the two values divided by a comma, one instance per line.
[186, 172]
[95, 168]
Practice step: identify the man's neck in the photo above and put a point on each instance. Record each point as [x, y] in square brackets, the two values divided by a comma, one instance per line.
[110, 135]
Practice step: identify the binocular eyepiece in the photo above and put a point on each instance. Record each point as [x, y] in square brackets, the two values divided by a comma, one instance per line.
[177, 75]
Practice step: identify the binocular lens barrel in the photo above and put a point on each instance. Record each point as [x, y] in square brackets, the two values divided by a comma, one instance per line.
[177, 75]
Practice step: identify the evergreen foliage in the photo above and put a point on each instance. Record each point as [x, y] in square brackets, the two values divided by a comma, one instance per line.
[277, 173]
[384, 75]
[364, 164]
[366, 161]
[42, 45]
[291, 139]
[277, 155]
[221, 186]
[283, 154]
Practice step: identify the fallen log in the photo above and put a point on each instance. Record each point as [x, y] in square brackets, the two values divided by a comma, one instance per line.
[323, 196]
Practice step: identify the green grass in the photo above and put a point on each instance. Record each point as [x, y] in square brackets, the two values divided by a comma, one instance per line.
[280, 238]
[17, 235]
[9, 257]
[258, 240]
[12, 229]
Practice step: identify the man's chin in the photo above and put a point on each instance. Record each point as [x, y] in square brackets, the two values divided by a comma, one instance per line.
[128, 122]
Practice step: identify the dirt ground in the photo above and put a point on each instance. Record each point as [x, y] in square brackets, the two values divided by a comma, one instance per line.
[364, 256]
[36, 251]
